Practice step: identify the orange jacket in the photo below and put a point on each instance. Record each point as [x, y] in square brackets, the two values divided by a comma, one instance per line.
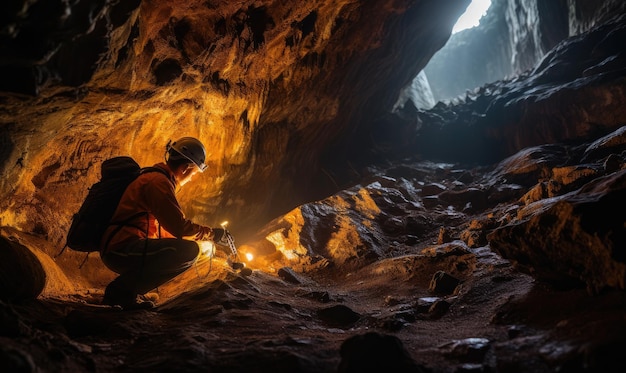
[151, 193]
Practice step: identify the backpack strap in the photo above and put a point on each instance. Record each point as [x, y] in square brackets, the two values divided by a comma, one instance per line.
[148, 169]
[84, 260]
[119, 225]
[62, 250]
[125, 223]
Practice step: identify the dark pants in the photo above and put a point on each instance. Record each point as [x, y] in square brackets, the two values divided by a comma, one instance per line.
[142, 268]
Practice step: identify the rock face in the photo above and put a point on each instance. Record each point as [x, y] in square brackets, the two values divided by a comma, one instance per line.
[555, 102]
[267, 87]
[512, 38]
[23, 277]
[575, 237]
[563, 230]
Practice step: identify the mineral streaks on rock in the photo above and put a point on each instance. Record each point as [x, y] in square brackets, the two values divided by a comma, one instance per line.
[574, 238]
[266, 87]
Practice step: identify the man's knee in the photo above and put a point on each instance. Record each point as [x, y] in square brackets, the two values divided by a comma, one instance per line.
[191, 249]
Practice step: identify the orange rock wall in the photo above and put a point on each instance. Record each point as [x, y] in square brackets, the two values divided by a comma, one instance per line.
[267, 86]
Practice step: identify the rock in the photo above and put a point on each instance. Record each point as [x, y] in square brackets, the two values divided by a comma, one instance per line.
[504, 193]
[612, 143]
[16, 360]
[289, 275]
[468, 199]
[374, 352]
[397, 320]
[320, 296]
[469, 350]
[11, 325]
[423, 305]
[432, 189]
[530, 164]
[23, 276]
[471, 368]
[443, 283]
[474, 237]
[392, 301]
[431, 201]
[444, 236]
[438, 309]
[338, 316]
[612, 163]
[91, 323]
[281, 134]
[568, 178]
[571, 240]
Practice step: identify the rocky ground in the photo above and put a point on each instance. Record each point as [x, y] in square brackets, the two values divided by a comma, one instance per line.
[399, 273]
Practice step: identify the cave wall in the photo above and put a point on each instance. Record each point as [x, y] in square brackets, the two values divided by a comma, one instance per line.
[291, 101]
[574, 94]
[267, 86]
[512, 38]
[534, 28]
[476, 55]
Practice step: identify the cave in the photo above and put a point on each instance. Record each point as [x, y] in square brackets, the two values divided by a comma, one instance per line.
[403, 198]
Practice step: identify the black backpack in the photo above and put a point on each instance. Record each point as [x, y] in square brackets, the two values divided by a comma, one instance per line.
[94, 215]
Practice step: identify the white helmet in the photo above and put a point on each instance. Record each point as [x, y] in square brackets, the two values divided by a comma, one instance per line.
[188, 147]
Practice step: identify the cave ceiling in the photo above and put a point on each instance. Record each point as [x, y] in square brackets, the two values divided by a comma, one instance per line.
[269, 87]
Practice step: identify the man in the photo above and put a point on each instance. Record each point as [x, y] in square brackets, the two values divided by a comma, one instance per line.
[149, 241]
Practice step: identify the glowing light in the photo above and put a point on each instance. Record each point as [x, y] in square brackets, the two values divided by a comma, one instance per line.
[224, 224]
[472, 15]
[249, 256]
[207, 248]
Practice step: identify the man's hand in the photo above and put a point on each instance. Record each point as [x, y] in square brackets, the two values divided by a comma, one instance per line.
[218, 235]
[221, 236]
[204, 234]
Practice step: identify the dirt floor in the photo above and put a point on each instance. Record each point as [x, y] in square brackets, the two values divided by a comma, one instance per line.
[416, 298]
[497, 320]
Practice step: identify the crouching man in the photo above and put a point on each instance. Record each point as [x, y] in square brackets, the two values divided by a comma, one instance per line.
[149, 241]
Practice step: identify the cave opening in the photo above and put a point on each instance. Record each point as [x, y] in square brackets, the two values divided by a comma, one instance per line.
[461, 65]
[471, 18]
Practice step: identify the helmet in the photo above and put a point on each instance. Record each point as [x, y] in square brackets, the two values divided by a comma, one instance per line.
[189, 148]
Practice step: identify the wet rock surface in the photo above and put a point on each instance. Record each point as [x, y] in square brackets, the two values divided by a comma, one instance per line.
[442, 288]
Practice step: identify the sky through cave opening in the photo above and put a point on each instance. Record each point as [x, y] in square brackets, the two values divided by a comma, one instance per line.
[471, 18]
